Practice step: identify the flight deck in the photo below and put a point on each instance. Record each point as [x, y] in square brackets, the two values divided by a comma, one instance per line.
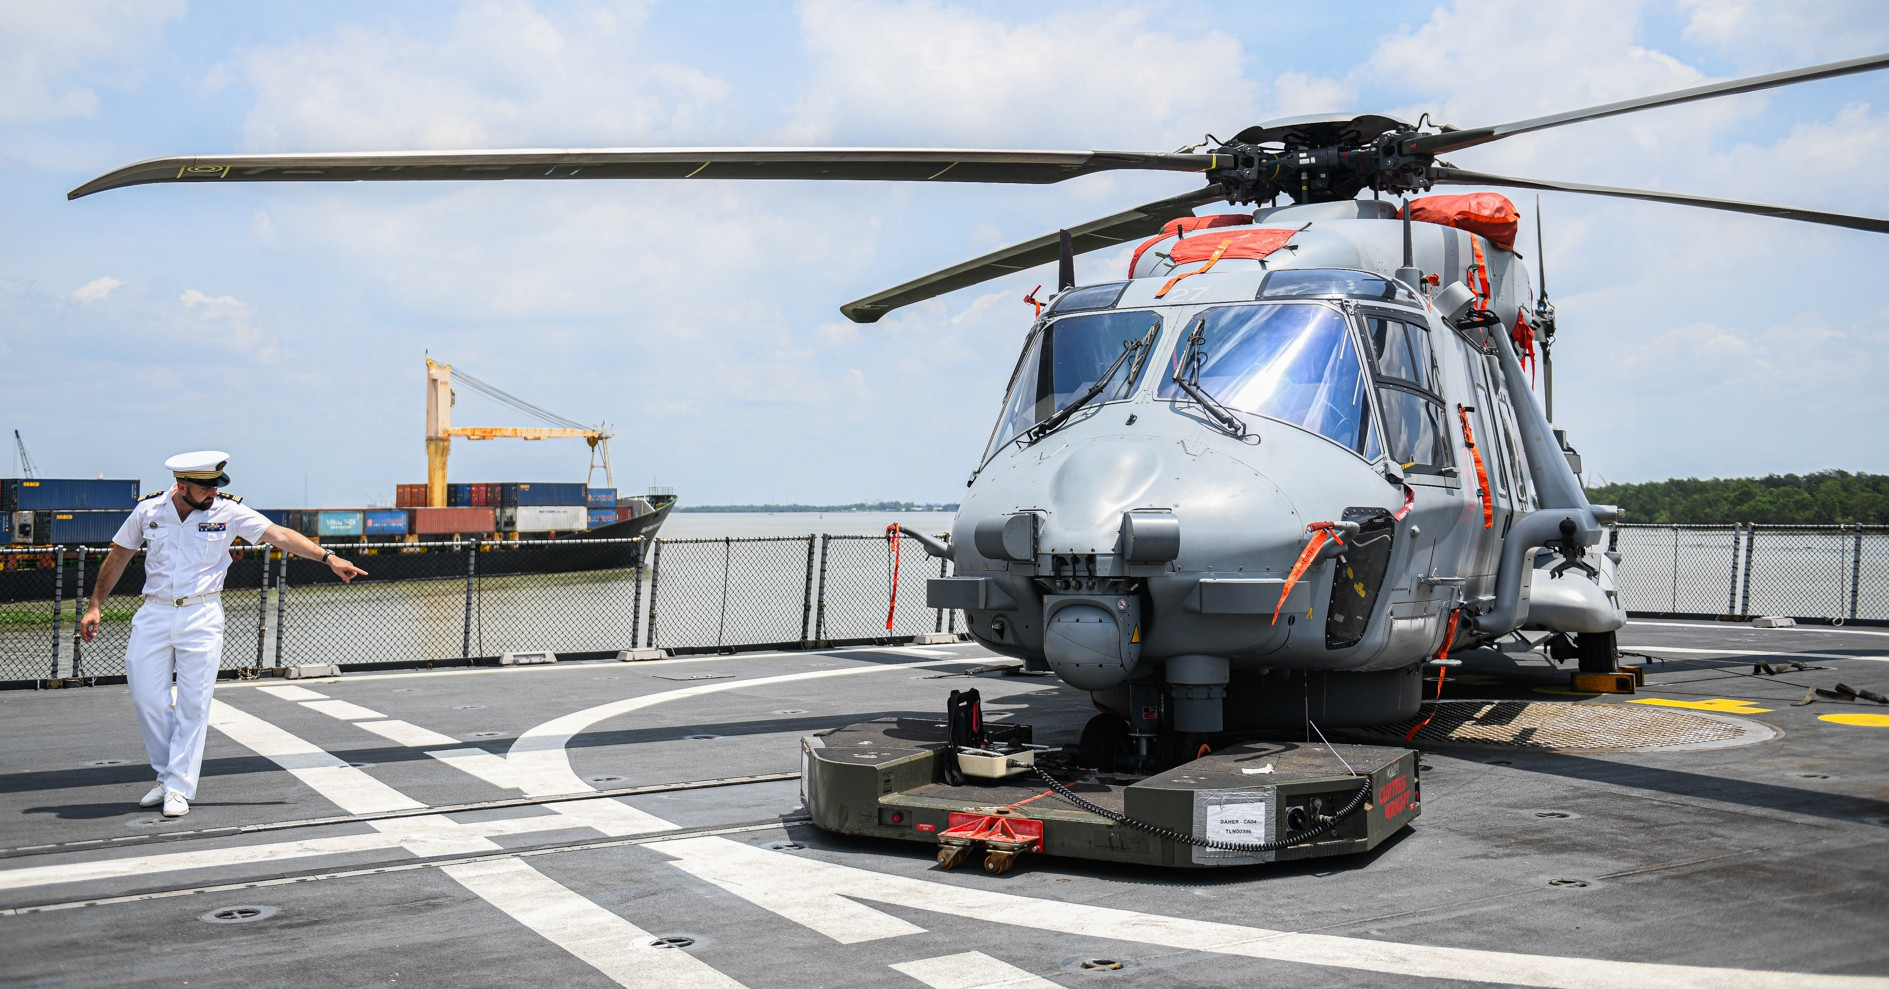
[642, 824]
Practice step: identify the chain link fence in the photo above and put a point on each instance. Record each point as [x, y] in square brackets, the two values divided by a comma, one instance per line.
[1822, 573]
[468, 601]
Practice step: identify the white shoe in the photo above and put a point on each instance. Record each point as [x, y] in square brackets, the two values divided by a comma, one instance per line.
[174, 804]
[153, 798]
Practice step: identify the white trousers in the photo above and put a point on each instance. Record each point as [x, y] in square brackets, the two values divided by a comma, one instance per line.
[190, 641]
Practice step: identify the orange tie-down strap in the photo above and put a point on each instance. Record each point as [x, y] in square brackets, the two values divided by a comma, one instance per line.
[1321, 531]
[1211, 261]
[1449, 639]
[1482, 473]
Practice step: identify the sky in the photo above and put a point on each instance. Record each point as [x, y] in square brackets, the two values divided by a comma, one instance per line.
[287, 324]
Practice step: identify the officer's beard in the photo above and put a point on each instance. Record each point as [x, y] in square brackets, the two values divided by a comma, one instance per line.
[201, 506]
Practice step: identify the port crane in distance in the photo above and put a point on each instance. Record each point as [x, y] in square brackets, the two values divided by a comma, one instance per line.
[1264, 477]
[440, 399]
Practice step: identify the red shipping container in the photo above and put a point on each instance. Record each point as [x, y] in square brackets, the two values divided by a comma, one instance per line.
[494, 495]
[409, 496]
[625, 512]
[446, 521]
[478, 495]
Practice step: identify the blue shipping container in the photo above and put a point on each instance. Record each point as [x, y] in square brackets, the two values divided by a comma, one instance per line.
[603, 497]
[602, 516]
[550, 493]
[30, 494]
[458, 496]
[278, 516]
[338, 524]
[84, 527]
[386, 521]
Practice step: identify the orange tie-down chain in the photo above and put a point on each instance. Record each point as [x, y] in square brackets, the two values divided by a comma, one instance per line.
[1321, 532]
[1482, 473]
[1449, 639]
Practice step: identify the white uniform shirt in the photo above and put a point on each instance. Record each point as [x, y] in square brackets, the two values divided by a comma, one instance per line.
[185, 557]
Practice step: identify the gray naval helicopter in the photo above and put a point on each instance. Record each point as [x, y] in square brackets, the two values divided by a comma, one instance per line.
[1258, 482]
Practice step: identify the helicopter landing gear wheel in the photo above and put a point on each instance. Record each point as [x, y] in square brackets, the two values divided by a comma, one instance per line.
[1104, 740]
[1599, 652]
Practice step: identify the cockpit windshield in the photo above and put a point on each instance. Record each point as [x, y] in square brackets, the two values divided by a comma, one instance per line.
[1291, 362]
[1063, 360]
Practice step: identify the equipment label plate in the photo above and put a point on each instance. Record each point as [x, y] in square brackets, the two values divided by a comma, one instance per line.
[1244, 816]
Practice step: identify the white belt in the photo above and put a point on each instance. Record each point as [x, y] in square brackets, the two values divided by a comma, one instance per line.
[186, 602]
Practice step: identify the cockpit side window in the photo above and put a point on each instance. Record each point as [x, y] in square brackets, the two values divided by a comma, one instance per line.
[1293, 362]
[1063, 359]
[1415, 421]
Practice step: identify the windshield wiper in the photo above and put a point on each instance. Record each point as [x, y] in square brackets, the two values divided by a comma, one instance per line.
[1062, 415]
[1187, 376]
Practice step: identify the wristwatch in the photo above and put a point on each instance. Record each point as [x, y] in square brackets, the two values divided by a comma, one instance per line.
[325, 557]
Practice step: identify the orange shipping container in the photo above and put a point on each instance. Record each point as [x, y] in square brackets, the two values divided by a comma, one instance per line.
[409, 496]
[445, 521]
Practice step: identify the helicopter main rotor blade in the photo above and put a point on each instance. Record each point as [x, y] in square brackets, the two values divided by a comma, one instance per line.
[1446, 175]
[1439, 144]
[1142, 221]
[857, 164]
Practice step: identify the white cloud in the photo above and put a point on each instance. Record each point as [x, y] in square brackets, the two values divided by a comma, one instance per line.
[96, 289]
[47, 48]
[938, 75]
[500, 74]
[229, 323]
[1807, 32]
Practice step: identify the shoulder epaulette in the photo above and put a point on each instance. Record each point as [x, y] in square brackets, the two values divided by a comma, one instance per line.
[235, 498]
[154, 494]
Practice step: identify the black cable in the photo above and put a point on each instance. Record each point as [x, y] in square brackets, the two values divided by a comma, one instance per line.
[1720, 669]
[1225, 846]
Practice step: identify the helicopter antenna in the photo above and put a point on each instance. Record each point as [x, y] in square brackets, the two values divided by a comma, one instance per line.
[1544, 320]
[1409, 273]
[1066, 263]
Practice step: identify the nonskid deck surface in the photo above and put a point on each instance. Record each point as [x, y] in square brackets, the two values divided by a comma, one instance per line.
[430, 811]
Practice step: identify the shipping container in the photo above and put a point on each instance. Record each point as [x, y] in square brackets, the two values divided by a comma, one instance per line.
[338, 522]
[552, 518]
[385, 521]
[450, 521]
[549, 493]
[494, 495]
[27, 494]
[409, 496]
[81, 527]
[475, 495]
[624, 513]
[459, 496]
[278, 516]
[602, 497]
[600, 517]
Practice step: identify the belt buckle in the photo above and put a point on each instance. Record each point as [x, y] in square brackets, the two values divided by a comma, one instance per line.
[178, 603]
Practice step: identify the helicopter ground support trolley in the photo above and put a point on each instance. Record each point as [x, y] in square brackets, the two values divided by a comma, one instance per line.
[1252, 802]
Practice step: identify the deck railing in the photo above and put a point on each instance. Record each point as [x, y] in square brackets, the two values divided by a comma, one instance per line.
[455, 602]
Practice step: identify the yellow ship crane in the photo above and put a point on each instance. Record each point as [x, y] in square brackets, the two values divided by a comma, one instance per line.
[440, 429]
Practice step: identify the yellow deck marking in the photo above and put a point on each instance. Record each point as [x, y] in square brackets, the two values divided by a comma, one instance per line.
[1723, 705]
[1861, 720]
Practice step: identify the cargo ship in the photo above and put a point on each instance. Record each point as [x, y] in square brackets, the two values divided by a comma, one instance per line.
[521, 528]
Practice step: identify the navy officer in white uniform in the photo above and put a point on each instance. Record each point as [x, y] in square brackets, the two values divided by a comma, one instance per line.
[187, 539]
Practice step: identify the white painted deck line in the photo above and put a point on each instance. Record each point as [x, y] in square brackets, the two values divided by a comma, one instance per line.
[427, 835]
[405, 733]
[345, 786]
[971, 970]
[343, 710]
[792, 885]
[1741, 626]
[607, 942]
[1777, 653]
[542, 767]
[292, 693]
